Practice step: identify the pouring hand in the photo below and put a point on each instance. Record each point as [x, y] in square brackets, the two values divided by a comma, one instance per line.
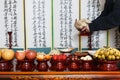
[82, 25]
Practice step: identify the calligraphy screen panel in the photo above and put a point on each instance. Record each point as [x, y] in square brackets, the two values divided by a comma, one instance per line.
[65, 13]
[11, 20]
[38, 24]
[91, 9]
[114, 37]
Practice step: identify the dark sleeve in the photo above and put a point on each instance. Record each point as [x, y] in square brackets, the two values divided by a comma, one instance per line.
[109, 21]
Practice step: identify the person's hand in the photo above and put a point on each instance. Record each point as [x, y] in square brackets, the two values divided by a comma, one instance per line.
[77, 25]
[82, 25]
[85, 20]
[85, 28]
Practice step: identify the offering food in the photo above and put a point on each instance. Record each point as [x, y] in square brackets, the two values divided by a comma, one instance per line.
[25, 54]
[87, 57]
[66, 50]
[20, 55]
[107, 53]
[42, 56]
[30, 54]
[7, 54]
[60, 57]
[47, 57]
[54, 52]
[78, 53]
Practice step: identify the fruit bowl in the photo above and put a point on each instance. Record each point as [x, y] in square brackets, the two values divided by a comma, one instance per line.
[108, 65]
[107, 54]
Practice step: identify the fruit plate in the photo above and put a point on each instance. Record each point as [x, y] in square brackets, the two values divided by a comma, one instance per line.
[66, 50]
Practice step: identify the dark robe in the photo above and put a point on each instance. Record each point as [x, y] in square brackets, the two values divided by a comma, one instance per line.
[109, 18]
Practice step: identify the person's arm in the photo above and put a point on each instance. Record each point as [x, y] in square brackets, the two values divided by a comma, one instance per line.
[109, 21]
[105, 10]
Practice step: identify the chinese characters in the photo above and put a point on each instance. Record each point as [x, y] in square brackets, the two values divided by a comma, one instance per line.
[10, 21]
[65, 23]
[38, 23]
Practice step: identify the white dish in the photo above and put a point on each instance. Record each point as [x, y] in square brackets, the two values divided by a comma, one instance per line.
[91, 52]
[66, 50]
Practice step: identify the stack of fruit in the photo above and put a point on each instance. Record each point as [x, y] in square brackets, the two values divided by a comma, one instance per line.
[42, 59]
[6, 57]
[108, 59]
[107, 53]
[41, 56]
[25, 55]
[58, 62]
[25, 60]
[60, 57]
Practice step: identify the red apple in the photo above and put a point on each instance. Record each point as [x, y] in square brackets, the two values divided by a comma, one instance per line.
[60, 57]
[64, 57]
[55, 57]
[20, 55]
[30, 54]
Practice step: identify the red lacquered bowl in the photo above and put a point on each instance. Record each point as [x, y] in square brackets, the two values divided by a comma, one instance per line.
[108, 65]
[6, 65]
